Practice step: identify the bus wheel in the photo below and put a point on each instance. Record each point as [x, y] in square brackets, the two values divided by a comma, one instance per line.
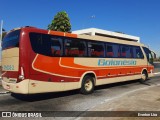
[87, 85]
[144, 77]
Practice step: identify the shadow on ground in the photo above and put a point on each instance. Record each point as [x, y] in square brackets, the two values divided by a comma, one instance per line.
[44, 96]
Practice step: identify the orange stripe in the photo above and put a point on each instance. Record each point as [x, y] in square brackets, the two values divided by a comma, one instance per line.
[56, 33]
[51, 65]
[71, 35]
[62, 34]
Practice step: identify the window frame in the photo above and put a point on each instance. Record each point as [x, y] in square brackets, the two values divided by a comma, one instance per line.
[86, 44]
[96, 42]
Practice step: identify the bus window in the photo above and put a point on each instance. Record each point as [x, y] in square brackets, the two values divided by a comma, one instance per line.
[40, 43]
[95, 49]
[125, 51]
[56, 46]
[131, 52]
[109, 51]
[112, 50]
[75, 48]
[138, 52]
[11, 40]
[148, 55]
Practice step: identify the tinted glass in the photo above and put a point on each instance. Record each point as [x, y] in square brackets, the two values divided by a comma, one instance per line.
[46, 44]
[75, 48]
[126, 51]
[148, 54]
[11, 40]
[95, 49]
[112, 50]
[138, 52]
[56, 46]
[41, 43]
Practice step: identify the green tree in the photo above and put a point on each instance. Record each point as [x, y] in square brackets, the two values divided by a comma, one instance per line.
[61, 22]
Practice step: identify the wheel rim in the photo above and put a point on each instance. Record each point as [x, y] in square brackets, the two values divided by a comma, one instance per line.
[144, 77]
[88, 85]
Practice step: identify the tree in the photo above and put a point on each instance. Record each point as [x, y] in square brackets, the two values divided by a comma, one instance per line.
[61, 22]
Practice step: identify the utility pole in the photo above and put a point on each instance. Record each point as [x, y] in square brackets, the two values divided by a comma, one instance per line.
[1, 32]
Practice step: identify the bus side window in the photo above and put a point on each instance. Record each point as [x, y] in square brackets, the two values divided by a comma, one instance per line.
[131, 52]
[56, 46]
[112, 50]
[95, 49]
[109, 51]
[123, 51]
[148, 55]
[75, 48]
[40, 43]
[138, 52]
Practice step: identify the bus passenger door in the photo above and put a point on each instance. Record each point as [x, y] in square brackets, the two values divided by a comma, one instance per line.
[148, 55]
[149, 58]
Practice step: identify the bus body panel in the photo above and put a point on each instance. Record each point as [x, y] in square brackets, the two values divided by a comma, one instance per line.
[10, 59]
[21, 87]
[52, 74]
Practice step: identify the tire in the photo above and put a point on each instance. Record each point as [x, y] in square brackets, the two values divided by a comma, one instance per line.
[144, 77]
[87, 86]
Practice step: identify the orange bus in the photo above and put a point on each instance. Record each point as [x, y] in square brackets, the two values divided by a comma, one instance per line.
[40, 61]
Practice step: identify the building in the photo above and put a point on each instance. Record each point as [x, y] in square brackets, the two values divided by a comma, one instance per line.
[105, 33]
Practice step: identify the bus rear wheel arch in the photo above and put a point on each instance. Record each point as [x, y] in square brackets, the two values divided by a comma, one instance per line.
[88, 84]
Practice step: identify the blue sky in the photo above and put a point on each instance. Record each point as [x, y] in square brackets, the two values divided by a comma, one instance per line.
[135, 17]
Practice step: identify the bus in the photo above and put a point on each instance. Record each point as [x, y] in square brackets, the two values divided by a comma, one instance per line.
[41, 61]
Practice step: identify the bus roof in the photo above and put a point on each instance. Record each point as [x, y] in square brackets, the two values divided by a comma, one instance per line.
[72, 35]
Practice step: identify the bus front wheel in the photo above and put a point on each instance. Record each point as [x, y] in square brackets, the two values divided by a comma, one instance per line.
[87, 86]
[144, 77]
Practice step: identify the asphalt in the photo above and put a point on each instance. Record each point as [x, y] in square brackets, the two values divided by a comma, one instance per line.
[144, 99]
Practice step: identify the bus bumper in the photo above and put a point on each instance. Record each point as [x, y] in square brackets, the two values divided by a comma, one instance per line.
[21, 87]
[151, 75]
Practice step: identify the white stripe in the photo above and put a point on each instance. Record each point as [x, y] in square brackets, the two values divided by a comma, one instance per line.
[121, 74]
[97, 67]
[112, 75]
[3, 73]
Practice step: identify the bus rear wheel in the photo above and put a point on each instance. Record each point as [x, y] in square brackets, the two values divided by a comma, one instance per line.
[87, 86]
[144, 77]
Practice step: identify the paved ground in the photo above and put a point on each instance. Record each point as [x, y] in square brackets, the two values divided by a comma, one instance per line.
[143, 99]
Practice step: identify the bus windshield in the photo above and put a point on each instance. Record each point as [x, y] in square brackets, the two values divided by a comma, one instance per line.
[11, 40]
[148, 55]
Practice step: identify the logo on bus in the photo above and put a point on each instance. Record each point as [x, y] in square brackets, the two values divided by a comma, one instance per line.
[103, 62]
[8, 67]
